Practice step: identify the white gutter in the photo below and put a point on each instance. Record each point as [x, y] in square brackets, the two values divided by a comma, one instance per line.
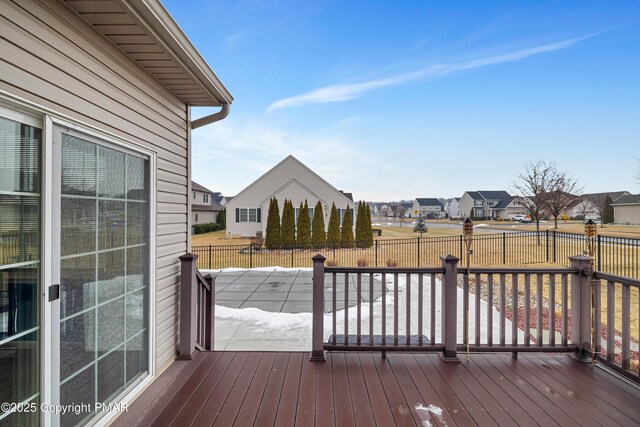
[216, 117]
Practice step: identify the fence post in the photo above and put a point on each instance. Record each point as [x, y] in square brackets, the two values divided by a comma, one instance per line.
[376, 253]
[546, 232]
[504, 248]
[188, 301]
[555, 249]
[210, 316]
[292, 257]
[250, 255]
[450, 308]
[461, 254]
[581, 303]
[210, 263]
[599, 253]
[317, 332]
[418, 252]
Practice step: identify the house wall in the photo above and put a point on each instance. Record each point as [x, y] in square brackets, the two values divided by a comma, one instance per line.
[454, 209]
[466, 203]
[199, 198]
[279, 183]
[52, 58]
[203, 217]
[424, 210]
[509, 212]
[627, 214]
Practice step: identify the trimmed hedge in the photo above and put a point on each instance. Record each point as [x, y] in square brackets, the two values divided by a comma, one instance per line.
[206, 228]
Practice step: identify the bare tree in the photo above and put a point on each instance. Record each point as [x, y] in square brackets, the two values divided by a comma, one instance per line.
[585, 207]
[399, 212]
[532, 187]
[561, 194]
[599, 201]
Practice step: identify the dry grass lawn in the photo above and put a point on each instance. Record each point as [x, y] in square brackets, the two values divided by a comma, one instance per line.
[632, 231]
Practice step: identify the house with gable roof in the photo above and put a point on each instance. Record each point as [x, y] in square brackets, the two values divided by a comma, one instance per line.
[430, 208]
[490, 205]
[290, 179]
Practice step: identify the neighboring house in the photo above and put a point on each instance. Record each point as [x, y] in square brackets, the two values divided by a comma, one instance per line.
[225, 200]
[290, 179]
[204, 208]
[582, 208]
[626, 210]
[428, 208]
[95, 107]
[489, 204]
[452, 208]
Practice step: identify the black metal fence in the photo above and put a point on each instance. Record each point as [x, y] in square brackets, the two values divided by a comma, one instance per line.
[615, 255]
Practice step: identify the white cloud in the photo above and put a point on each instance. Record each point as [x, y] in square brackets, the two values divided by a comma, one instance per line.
[345, 92]
[231, 154]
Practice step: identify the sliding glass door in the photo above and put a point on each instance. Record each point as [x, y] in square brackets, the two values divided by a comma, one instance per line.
[104, 271]
[20, 147]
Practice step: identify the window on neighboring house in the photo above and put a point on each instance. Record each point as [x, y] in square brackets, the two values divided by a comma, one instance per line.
[196, 217]
[248, 215]
[491, 203]
[205, 197]
[297, 212]
[194, 195]
[478, 203]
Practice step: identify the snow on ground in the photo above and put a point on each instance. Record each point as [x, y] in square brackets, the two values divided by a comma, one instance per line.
[255, 329]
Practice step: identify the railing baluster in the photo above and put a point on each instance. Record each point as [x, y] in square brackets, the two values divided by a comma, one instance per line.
[514, 310]
[346, 308]
[465, 308]
[420, 308]
[477, 310]
[334, 302]
[527, 310]
[611, 309]
[539, 303]
[408, 309]
[490, 309]
[395, 309]
[626, 320]
[384, 309]
[359, 307]
[432, 307]
[552, 310]
[502, 309]
[597, 316]
[565, 310]
[371, 299]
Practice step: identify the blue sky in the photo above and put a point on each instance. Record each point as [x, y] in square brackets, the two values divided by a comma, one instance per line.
[397, 100]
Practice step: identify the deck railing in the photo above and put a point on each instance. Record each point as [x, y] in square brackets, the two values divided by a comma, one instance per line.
[619, 320]
[197, 300]
[508, 310]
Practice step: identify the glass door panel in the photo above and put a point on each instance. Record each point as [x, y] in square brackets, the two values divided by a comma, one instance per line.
[104, 267]
[19, 269]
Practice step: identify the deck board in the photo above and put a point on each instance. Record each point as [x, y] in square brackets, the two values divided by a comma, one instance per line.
[363, 389]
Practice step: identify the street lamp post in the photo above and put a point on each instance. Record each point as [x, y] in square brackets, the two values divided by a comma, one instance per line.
[467, 231]
[590, 232]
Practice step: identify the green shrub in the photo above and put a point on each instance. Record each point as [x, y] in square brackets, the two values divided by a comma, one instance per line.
[333, 232]
[206, 228]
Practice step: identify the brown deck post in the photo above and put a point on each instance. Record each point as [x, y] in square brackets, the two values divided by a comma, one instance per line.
[317, 336]
[450, 308]
[188, 297]
[581, 303]
[210, 315]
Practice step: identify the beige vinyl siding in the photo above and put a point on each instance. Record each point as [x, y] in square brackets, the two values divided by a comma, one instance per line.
[627, 214]
[53, 58]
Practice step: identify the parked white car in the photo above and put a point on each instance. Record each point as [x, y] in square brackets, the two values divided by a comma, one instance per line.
[518, 217]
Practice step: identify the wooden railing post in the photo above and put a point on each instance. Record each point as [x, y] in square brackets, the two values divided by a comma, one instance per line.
[581, 303]
[210, 315]
[317, 335]
[450, 308]
[188, 301]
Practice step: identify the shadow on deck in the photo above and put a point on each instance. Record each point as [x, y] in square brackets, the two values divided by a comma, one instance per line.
[361, 388]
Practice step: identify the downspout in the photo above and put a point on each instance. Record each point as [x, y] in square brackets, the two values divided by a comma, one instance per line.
[207, 120]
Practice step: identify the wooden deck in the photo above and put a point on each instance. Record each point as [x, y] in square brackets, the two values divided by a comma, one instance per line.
[286, 389]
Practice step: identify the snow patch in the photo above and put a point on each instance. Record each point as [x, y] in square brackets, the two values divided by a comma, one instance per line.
[427, 412]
